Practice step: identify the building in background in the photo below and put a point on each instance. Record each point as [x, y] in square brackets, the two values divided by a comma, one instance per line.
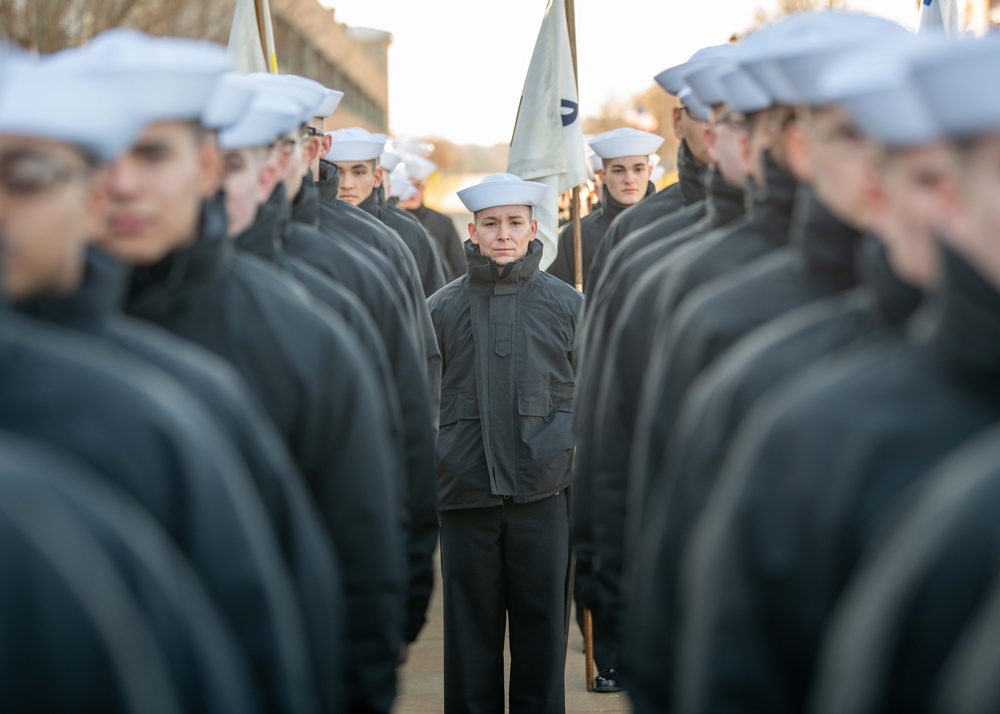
[310, 42]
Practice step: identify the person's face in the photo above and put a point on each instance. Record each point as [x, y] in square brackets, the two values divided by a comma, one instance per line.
[913, 198]
[691, 131]
[417, 199]
[843, 165]
[626, 178]
[727, 145]
[503, 232]
[357, 180]
[156, 191]
[292, 160]
[975, 228]
[248, 183]
[51, 203]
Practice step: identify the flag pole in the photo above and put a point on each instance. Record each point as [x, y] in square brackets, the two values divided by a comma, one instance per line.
[266, 30]
[575, 192]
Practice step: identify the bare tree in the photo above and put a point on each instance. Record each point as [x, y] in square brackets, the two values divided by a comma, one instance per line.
[790, 7]
[50, 25]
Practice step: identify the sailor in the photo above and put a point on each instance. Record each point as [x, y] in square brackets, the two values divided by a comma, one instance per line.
[505, 453]
[356, 153]
[624, 174]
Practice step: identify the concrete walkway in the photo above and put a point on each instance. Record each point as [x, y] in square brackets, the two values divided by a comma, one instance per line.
[421, 680]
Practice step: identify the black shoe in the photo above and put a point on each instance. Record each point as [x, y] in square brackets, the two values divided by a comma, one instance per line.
[608, 680]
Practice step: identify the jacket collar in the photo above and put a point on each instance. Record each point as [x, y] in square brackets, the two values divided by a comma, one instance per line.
[263, 238]
[371, 204]
[329, 181]
[724, 203]
[774, 203]
[893, 301]
[691, 176]
[484, 272]
[961, 326]
[88, 309]
[305, 206]
[826, 246]
[177, 282]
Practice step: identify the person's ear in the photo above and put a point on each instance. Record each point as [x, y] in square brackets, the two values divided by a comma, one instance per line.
[378, 176]
[325, 145]
[600, 174]
[96, 207]
[313, 148]
[212, 169]
[678, 123]
[533, 229]
[472, 234]
[797, 152]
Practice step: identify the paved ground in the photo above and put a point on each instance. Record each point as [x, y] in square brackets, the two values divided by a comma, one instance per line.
[421, 679]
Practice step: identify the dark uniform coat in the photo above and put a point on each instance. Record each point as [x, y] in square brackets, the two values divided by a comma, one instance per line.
[312, 379]
[815, 470]
[94, 310]
[606, 355]
[406, 397]
[820, 262]
[506, 340]
[442, 229]
[689, 189]
[712, 413]
[593, 226]
[208, 670]
[140, 432]
[73, 637]
[917, 592]
[417, 241]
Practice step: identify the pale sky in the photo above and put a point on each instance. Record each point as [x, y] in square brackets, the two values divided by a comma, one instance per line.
[456, 67]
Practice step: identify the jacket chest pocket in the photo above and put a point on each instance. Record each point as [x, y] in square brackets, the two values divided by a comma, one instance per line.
[503, 340]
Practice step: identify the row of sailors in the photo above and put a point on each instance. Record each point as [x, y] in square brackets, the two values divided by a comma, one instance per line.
[219, 391]
[788, 405]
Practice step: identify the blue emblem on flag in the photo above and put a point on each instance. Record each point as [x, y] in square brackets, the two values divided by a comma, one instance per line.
[570, 111]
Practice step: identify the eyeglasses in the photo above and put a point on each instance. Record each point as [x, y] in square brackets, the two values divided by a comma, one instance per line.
[734, 122]
[24, 173]
[286, 146]
[313, 131]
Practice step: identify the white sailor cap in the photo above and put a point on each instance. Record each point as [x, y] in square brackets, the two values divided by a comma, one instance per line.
[825, 40]
[399, 184]
[954, 78]
[591, 160]
[355, 144]
[658, 173]
[233, 94]
[698, 110]
[310, 94]
[417, 167]
[502, 190]
[103, 122]
[625, 141]
[331, 101]
[412, 145]
[168, 78]
[389, 161]
[875, 87]
[672, 80]
[743, 94]
[705, 84]
[758, 53]
[269, 117]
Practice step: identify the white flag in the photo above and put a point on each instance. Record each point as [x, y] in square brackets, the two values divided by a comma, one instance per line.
[548, 140]
[245, 51]
[938, 16]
